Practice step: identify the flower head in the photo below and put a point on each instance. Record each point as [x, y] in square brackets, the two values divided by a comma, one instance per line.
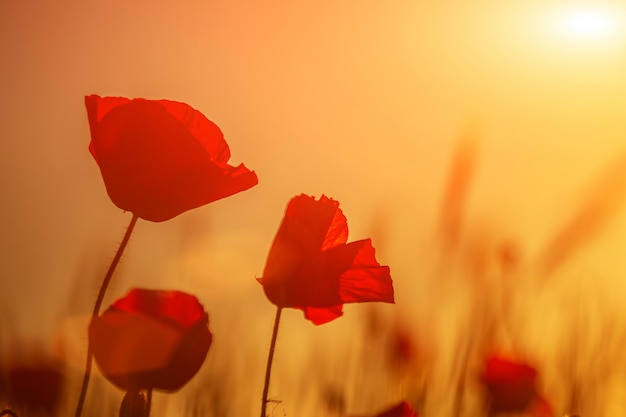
[511, 387]
[311, 267]
[33, 385]
[151, 339]
[402, 409]
[160, 158]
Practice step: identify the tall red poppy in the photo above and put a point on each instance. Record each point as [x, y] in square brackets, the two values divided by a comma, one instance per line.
[160, 158]
[151, 339]
[311, 267]
[511, 387]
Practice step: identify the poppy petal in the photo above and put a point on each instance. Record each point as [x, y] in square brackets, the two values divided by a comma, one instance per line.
[121, 341]
[318, 315]
[365, 280]
[337, 233]
[98, 107]
[403, 409]
[314, 224]
[178, 308]
[502, 370]
[159, 159]
[207, 132]
[510, 385]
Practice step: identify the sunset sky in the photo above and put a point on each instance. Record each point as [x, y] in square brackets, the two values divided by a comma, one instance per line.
[363, 101]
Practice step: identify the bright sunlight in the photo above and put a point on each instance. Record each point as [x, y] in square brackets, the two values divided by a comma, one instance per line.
[595, 24]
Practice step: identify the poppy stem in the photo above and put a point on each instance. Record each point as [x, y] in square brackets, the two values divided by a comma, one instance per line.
[268, 370]
[96, 309]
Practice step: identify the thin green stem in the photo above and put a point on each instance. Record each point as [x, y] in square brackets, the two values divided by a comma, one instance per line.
[270, 358]
[96, 310]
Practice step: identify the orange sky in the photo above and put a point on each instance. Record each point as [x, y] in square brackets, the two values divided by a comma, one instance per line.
[363, 101]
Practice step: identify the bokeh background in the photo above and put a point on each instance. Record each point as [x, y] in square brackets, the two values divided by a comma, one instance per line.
[367, 102]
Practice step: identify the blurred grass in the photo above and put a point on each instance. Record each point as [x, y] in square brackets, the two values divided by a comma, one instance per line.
[480, 291]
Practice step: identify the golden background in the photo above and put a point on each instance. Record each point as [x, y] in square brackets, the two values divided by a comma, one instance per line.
[364, 101]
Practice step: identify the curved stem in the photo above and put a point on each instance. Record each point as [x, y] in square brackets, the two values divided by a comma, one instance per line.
[8, 412]
[96, 310]
[268, 369]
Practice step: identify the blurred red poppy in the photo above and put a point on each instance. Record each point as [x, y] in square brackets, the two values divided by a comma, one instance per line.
[151, 339]
[33, 385]
[311, 267]
[511, 387]
[403, 409]
[160, 158]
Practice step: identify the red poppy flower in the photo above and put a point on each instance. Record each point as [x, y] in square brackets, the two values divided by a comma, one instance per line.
[33, 385]
[160, 158]
[511, 386]
[402, 409]
[151, 339]
[311, 267]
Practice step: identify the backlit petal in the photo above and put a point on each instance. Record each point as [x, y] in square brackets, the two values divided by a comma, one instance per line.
[160, 158]
[201, 128]
[337, 233]
[320, 315]
[365, 280]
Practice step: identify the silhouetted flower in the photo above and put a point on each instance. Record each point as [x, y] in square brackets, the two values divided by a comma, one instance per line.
[511, 387]
[151, 339]
[403, 409]
[311, 267]
[33, 385]
[160, 158]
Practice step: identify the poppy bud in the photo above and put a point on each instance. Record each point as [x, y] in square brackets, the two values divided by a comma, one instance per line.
[134, 405]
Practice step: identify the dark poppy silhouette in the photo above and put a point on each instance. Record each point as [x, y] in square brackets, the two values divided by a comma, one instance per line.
[160, 158]
[402, 409]
[151, 339]
[32, 385]
[311, 267]
[511, 387]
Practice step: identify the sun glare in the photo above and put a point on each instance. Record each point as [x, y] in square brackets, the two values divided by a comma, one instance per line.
[588, 23]
[592, 23]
